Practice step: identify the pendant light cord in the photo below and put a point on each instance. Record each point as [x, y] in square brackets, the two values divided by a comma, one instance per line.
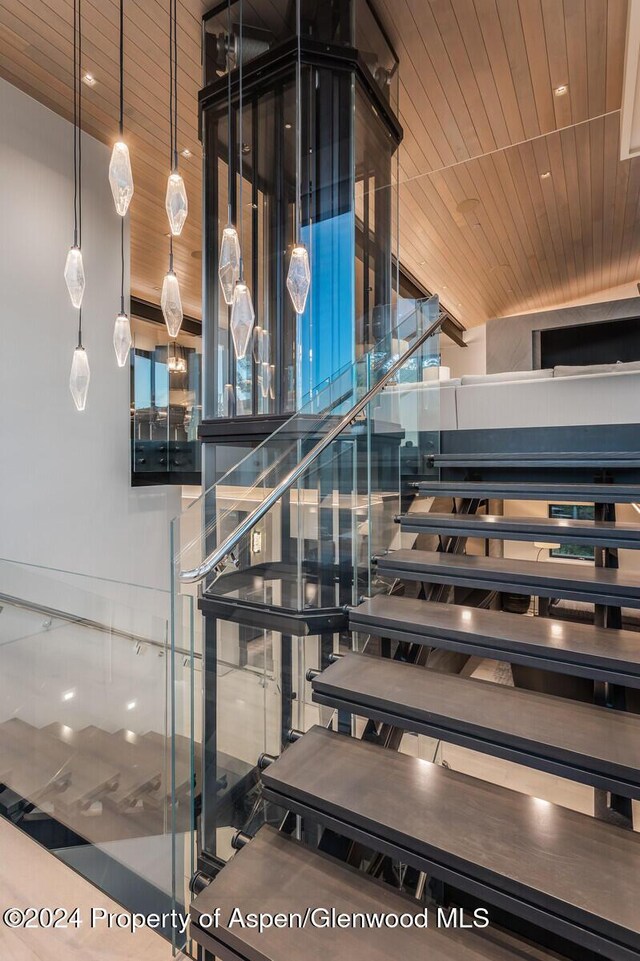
[298, 124]
[172, 150]
[121, 136]
[175, 82]
[80, 152]
[240, 162]
[121, 68]
[229, 167]
[75, 123]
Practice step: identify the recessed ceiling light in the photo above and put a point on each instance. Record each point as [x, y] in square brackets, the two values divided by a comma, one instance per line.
[131, 705]
[561, 90]
[545, 175]
[287, 126]
[421, 263]
[68, 695]
[186, 153]
[89, 79]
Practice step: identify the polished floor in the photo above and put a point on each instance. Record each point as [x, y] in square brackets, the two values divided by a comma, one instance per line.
[31, 877]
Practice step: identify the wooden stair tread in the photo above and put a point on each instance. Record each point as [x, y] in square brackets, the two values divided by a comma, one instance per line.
[564, 531]
[596, 744]
[585, 649]
[275, 874]
[583, 493]
[553, 579]
[575, 868]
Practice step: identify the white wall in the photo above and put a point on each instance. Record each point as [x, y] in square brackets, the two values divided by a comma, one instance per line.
[65, 494]
[471, 359]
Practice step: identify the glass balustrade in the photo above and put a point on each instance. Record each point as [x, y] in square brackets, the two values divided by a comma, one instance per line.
[276, 604]
[97, 730]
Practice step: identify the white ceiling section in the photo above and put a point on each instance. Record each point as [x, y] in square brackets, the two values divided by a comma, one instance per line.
[513, 195]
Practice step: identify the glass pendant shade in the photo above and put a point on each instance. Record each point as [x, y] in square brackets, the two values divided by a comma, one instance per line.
[79, 377]
[122, 339]
[171, 303]
[120, 177]
[299, 278]
[242, 318]
[229, 265]
[176, 203]
[265, 379]
[74, 276]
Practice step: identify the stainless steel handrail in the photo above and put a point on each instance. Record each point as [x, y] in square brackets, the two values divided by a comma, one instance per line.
[218, 559]
[77, 619]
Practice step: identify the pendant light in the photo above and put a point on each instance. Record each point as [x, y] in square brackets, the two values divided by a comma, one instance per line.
[122, 327]
[299, 274]
[170, 299]
[122, 189]
[74, 267]
[229, 260]
[80, 372]
[176, 202]
[120, 176]
[242, 312]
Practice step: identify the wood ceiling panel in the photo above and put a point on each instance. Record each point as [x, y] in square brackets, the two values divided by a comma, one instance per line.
[477, 82]
[41, 63]
[481, 121]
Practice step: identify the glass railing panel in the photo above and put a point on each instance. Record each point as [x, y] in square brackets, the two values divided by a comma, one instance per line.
[310, 553]
[86, 692]
[210, 519]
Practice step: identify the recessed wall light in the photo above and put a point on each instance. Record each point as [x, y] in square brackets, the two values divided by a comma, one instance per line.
[561, 90]
[186, 153]
[89, 79]
[545, 175]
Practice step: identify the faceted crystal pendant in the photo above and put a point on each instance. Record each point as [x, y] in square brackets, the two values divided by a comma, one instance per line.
[122, 339]
[242, 318]
[299, 278]
[171, 303]
[79, 377]
[120, 177]
[229, 266]
[228, 401]
[176, 203]
[265, 379]
[74, 276]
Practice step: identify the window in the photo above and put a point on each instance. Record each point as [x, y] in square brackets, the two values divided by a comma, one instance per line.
[576, 512]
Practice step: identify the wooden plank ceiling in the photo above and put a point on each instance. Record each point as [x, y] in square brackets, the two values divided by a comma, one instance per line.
[511, 198]
[36, 54]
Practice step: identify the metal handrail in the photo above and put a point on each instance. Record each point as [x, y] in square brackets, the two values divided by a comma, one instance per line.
[218, 559]
[81, 621]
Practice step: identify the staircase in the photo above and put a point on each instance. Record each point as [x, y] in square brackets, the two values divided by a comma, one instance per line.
[371, 813]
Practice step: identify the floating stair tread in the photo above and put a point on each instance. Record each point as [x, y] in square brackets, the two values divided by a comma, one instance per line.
[500, 634]
[138, 773]
[44, 761]
[275, 874]
[31, 764]
[593, 739]
[583, 493]
[532, 576]
[582, 869]
[612, 533]
[588, 458]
